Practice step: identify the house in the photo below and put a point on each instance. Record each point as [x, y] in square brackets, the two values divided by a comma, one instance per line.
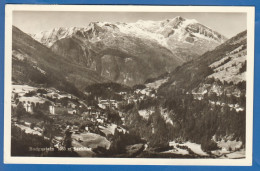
[72, 105]
[103, 104]
[85, 114]
[14, 95]
[57, 109]
[129, 99]
[93, 114]
[72, 111]
[108, 104]
[28, 107]
[113, 103]
[86, 128]
[141, 97]
[122, 93]
[52, 109]
[62, 96]
[100, 120]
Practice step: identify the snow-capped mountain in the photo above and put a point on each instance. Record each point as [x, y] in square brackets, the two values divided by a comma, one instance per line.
[171, 33]
[49, 37]
[181, 29]
[130, 53]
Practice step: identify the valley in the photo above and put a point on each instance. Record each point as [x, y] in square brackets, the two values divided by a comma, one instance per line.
[151, 89]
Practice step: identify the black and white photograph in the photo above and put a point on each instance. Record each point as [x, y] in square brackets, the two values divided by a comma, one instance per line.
[129, 84]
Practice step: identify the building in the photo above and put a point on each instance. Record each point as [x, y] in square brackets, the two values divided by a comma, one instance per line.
[14, 95]
[28, 107]
[100, 121]
[57, 110]
[72, 111]
[113, 103]
[108, 104]
[52, 109]
[103, 104]
[72, 105]
[52, 95]
[122, 93]
[131, 100]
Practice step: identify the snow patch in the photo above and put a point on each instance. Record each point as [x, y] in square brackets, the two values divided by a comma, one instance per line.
[39, 69]
[28, 130]
[159, 31]
[196, 148]
[177, 151]
[155, 85]
[229, 145]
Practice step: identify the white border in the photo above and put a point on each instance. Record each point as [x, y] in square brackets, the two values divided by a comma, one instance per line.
[128, 161]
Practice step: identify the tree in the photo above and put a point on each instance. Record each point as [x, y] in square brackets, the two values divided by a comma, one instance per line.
[113, 117]
[32, 125]
[139, 86]
[17, 101]
[41, 91]
[241, 85]
[20, 110]
[30, 94]
[64, 101]
[67, 139]
[210, 80]
[45, 105]
[15, 96]
[214, 96]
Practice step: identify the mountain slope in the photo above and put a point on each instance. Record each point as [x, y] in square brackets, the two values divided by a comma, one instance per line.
[203, 102]
[226, 64]
[212, 89]
[35, 63]
[130, 53]
[122, 59]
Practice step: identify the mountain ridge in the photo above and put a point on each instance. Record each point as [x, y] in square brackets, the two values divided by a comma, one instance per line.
[140, 28]
[130, 53]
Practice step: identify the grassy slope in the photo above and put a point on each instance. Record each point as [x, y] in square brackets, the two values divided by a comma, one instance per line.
[191, 74]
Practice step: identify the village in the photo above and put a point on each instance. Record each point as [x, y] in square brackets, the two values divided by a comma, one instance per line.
[97, 119]
[63, 103]
[93, 125]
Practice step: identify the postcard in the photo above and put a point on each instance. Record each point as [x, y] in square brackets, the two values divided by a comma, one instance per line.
[132, 85]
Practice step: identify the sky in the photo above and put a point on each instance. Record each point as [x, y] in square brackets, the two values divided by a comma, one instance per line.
[227, 24]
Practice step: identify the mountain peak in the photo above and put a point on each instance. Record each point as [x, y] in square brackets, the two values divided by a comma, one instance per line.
[174, 34]
[179, 18]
